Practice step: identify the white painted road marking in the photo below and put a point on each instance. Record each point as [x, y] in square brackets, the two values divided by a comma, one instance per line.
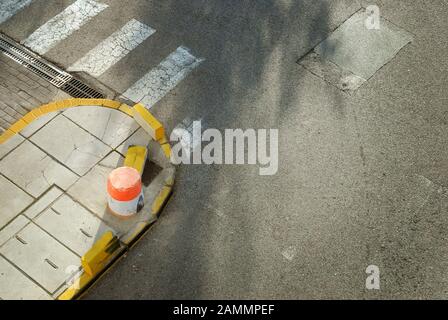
[8, 8]
[113, 49]
[63, 25]
[163, 78]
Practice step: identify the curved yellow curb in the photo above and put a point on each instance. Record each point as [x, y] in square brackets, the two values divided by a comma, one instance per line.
[134, 112]
[60, 105]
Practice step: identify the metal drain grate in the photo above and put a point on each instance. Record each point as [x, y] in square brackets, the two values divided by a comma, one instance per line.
[57, 77]
[77, 89]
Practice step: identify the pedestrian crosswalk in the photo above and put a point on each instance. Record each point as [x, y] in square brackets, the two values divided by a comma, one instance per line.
[149, 89]
[163, 78]
[113, 49]
[63, 25]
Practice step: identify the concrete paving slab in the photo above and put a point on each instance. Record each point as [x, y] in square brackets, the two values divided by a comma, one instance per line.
[42, 203]
[38, 177]
[13, 200]
[41, 257]
[38, 123]
[10, 144]
[109, 125]
[72, 225]
[139, 138]
[70, 144]
[14, 285]
[91, 190]
[12, 228]
[360, 50]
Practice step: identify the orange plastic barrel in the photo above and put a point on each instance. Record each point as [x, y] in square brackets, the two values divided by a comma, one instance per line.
[125, 192]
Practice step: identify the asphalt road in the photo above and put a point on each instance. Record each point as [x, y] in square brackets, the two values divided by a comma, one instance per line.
[362, 179]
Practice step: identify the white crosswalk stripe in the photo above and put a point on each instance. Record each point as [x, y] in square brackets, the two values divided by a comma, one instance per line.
[8, 8]
[113, 49]
[162, 79]
[63, 25]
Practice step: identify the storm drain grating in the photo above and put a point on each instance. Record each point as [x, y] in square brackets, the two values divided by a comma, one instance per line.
[54, 75]
[77, 89]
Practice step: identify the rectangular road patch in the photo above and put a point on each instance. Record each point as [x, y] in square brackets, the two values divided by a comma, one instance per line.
[63, 25]
[9, 8]
[162, 79]
[41, 257]
[360, 50]
[16, 286]
[113, 49]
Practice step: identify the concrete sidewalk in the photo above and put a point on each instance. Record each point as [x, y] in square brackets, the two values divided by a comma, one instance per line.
[53, 175]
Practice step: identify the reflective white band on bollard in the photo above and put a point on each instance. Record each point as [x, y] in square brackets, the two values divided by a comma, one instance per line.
[125, 192]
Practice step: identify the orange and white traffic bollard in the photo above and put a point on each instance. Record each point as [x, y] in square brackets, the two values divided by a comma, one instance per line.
[125, 192]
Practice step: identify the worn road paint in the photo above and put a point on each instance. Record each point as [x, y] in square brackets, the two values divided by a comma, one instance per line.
[63, 25]
[113, 49]
[162, 79]
[9, 8]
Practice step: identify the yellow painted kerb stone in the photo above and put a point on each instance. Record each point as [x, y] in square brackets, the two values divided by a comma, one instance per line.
[148, 122]
[93, 261]
[136, 158]
[161, 199]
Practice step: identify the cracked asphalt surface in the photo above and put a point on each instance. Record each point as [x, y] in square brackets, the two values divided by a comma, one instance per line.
[363, 177]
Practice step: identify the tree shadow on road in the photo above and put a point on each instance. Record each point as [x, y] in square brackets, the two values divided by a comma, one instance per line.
[210, 241]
